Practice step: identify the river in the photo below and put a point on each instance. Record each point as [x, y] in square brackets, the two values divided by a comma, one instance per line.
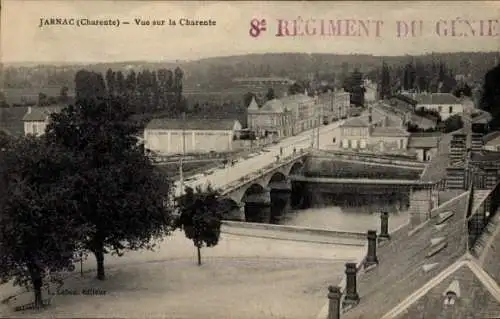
[355, 219]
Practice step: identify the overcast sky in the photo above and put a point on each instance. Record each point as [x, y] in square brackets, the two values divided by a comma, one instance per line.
[23, 40]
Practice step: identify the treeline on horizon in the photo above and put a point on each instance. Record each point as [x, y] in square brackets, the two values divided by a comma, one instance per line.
[220, 71]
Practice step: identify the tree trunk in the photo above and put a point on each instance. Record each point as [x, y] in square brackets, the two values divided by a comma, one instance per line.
[36, 280]
[99, 256]
[199, 255]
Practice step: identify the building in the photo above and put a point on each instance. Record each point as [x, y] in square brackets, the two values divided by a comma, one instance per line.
[335, 105]
[11, 120]
[306, 111]
[189, 136]
[425, 145]
[444, 267]
[445, 104]
[358, 134]
[492, 141]
[271, 118]
[37, 118]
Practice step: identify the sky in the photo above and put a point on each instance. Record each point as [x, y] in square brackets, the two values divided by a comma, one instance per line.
[23, 40]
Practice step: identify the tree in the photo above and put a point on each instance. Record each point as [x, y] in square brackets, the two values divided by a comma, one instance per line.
[38, 229]
[385, 82]
[200, 217]
[451, 124]
[42, 99]
[247, 99]
[121, 196]
[490, 98]
[63, 95]
[270, 94]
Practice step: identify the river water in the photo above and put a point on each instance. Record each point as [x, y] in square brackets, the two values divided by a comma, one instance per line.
[355, 219]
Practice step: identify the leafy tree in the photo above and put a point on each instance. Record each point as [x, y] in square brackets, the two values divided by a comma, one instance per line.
[200, 217]
[490, 98]
[38, 229]
[451, 124]
[119, 193]
[63, 95]
[247, 98]
[270, 94]
[42, 99]
[385, 82]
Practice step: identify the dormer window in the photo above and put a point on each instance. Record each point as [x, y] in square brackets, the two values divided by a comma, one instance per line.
[437, 244]
[452, 293]
[450, 298]
[442, 217]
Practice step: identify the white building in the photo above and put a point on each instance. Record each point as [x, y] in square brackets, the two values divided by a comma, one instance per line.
[272, 118]
[189, 136]
[37, 118]
[445, 104]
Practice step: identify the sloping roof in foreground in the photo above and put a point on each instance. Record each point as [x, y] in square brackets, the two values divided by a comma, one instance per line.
[40, 113]
[474, 300]
[401, 270]
[191, 124]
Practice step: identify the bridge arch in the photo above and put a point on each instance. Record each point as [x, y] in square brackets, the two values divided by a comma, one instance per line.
[277, 177]
[230, 209]
[296, 168]
[253, 189]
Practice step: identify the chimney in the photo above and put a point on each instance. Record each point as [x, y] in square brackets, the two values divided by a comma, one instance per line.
[370, 115]
[371, 256]
[334, 295]
[285, 94]
[384, 226]
[29, 109]
[351, 298]
[305, 92]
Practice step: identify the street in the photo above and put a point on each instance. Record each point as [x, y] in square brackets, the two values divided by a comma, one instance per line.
[223, 176]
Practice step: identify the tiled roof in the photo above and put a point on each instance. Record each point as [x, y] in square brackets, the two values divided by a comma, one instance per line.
[11, 120]
[474, 300]
[423, 141]
[274, 106]
[354, 122]
[492, 138]
[191, 124]
[436, 98]
[40, 113]
[389, 131]
[401, 269]
[488, 255]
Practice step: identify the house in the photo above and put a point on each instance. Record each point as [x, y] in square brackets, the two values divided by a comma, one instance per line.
[359, 134]
[445, 104]
[335, 105]
[492, 141]
[425, 145]
[11, 120]
[271, 118]
[37, 118]
[444, 267]
[176, 136]
[305, 111]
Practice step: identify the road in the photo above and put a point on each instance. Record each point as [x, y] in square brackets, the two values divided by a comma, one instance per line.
[223, 176]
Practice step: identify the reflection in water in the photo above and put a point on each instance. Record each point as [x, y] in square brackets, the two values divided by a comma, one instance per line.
[354, 219]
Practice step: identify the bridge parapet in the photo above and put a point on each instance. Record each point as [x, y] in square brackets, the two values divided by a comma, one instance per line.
[397, 160]
[248, 179]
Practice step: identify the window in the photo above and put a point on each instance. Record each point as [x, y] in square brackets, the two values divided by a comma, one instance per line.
[34, 128]
[451, 109]
[362, 144]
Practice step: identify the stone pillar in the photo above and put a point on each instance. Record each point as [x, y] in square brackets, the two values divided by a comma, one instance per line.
[280, 204]
[334, 296]
[351, 294]
[371, 256]
[384, 226]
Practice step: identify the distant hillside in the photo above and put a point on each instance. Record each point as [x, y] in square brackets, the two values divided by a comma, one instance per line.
[219, 71]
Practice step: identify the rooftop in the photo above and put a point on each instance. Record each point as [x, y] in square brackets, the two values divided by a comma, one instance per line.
[40, 113]
[354, 122]
[491, 136]
[409, 260]
[389, 131]
[192, 124]
[485, 156]
[424, 140]
[434, 98]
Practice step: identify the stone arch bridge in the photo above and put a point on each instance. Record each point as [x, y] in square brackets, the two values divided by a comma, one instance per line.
[256, 197]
